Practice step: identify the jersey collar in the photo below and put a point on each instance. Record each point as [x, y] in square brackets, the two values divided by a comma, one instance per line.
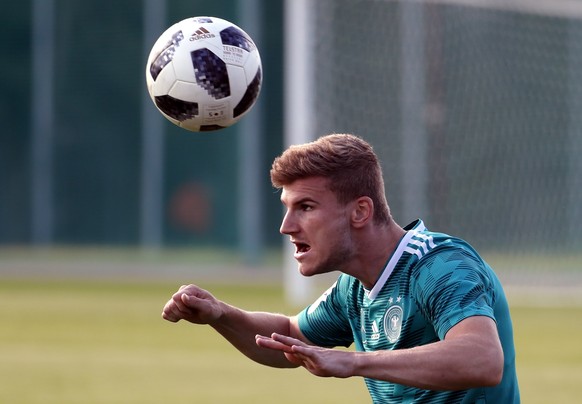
[411, 228]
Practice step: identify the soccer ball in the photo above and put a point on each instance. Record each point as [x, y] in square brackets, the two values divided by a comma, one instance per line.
[204, 73]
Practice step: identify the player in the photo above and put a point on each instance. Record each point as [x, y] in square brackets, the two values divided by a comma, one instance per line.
[428, 317]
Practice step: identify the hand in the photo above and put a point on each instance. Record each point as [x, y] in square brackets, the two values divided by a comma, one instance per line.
[322, 362]
[192, 304]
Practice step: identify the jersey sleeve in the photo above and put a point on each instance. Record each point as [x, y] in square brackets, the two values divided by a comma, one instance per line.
[325, 322]
[451, 285]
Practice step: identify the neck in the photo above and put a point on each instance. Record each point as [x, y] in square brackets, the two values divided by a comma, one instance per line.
[376, 247]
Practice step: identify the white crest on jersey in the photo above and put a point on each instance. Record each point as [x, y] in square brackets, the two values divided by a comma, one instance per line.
[393, 323]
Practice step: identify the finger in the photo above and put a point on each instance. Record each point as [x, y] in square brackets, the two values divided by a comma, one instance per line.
[170, 317]
[170, 313]
[176, 305]
[267, 342]
[187, 299]
[180, 305]
[285, 339]
[184, 303]
[175, 309]
[303, 351]
[187, 302]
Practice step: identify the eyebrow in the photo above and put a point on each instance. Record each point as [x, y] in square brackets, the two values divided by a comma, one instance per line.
[301, 201]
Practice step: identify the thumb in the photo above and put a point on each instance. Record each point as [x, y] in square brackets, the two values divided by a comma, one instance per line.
[190, 301]
[186, 299]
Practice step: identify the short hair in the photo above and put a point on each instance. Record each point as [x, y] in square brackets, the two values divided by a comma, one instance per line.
[349, 163]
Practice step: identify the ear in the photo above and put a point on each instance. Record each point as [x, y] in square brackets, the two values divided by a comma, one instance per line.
[362, 212]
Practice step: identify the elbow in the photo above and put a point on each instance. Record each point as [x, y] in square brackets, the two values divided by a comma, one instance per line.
[493, 378]
[483, 375]
[485, 369]
[496, 375]
[492, 370]
[482, 360]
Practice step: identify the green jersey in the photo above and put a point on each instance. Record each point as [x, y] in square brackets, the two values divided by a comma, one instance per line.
[431, 283]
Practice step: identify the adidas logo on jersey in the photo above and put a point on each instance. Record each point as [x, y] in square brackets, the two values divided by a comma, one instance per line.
[420, 244]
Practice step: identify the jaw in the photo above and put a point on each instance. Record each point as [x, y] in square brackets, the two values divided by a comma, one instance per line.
[311, 263]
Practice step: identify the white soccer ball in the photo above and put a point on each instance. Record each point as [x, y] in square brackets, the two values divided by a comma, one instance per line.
[204, 73]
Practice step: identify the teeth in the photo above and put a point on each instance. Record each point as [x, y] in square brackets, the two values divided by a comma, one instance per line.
[302, 247]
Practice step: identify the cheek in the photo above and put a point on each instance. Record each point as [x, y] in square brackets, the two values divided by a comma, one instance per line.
[330, 230]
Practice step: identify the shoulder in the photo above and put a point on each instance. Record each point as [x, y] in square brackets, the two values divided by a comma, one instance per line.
[451, 266]
[442, 251]
[336, 296]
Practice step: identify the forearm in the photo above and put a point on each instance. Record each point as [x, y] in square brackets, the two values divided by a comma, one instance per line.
[240, 327]
[444, 365]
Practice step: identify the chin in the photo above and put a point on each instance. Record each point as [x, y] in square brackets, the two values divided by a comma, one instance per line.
[306, 270]
[312, 271]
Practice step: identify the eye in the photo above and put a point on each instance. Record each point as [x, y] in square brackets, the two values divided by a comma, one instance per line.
[306, 207]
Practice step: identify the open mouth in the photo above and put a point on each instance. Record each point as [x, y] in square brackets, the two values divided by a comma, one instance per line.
[301, 248]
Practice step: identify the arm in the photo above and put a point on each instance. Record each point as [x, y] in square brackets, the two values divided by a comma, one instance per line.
[469, 356]
[239, 327]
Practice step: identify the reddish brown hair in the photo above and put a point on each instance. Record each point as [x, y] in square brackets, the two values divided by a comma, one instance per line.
[346, 160]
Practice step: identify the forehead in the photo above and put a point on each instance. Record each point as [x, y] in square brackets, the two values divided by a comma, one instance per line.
[312, 188]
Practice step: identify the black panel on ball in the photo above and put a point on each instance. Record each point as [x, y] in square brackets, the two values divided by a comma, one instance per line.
[235, 37]
[250, 96]
[177, 109]
[211, 73]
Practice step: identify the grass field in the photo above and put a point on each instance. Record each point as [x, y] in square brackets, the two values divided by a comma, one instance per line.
[104, 342]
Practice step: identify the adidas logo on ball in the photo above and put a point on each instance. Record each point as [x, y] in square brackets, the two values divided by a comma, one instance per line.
[204, 74]
[201, 33]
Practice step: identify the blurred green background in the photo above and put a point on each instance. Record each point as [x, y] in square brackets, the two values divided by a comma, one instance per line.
[105, 342]
[473, 110]
[93, 141]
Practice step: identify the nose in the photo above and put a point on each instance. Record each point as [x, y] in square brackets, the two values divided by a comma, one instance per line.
[288, 225]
